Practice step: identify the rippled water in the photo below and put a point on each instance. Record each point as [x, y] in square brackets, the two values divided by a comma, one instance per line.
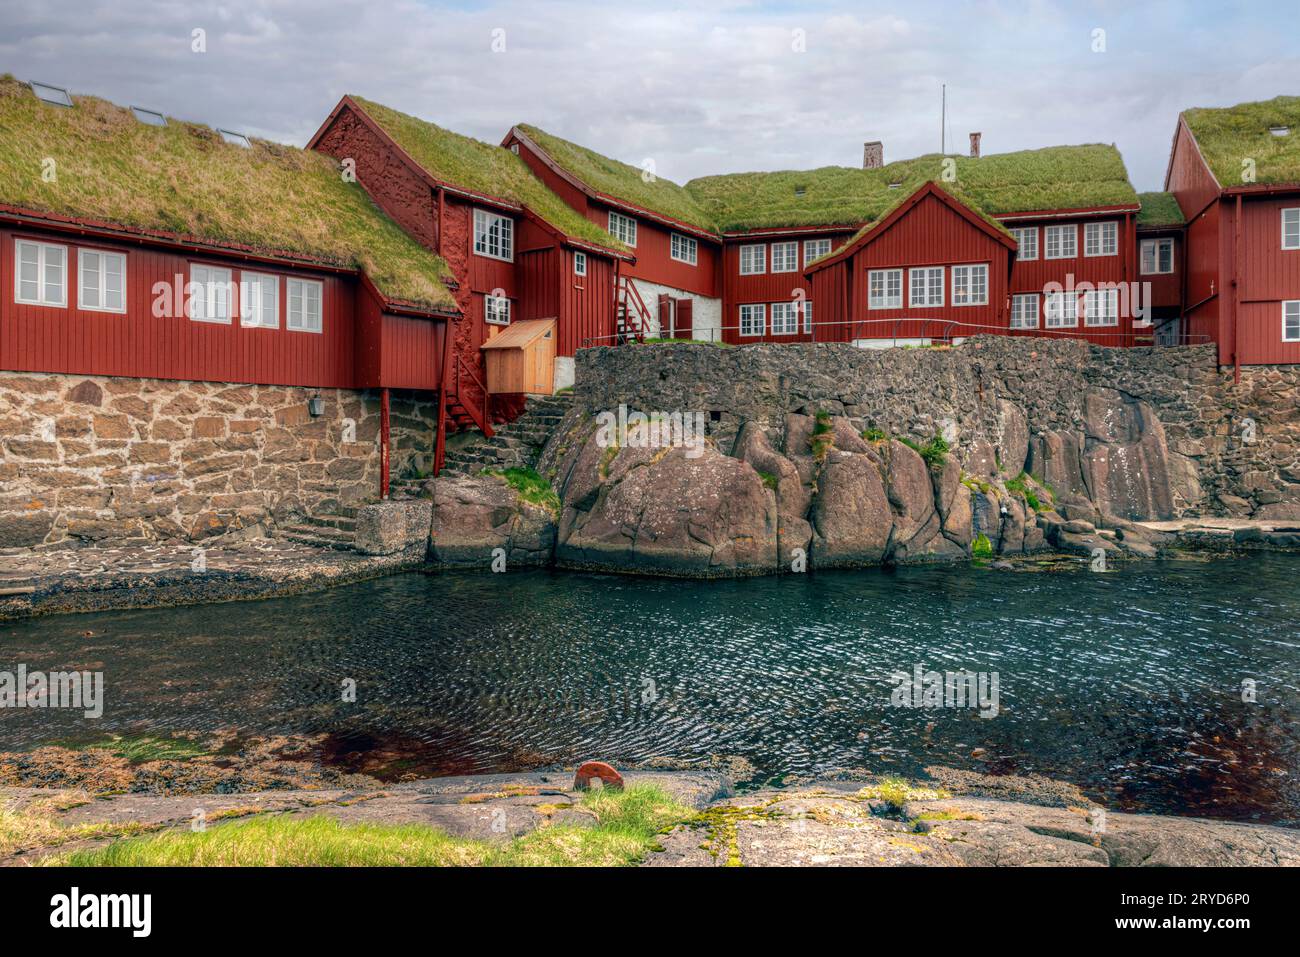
[1128, 684]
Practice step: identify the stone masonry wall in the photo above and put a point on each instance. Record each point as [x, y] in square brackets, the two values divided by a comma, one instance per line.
[93, 458]
[1225, 464]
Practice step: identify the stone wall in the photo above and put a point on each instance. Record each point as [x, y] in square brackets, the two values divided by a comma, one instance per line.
[93, 458]
[1219, 462]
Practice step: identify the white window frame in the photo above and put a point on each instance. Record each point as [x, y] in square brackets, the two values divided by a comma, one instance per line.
[747, 253]
[1052, 319]
[1055, 236]
[1026, 243]
[494, 235]
[879, 295]
[496, 310]
[785, 257]
[1023, 303]
[684, 249]
[43, 251]
[789, 318]
[101, 271]
[579, 264]
[254, 286]
[1292, 305]
[931, 287]
[1101, 239]
[210, 293]
[622, 228]
[815, 249]
[747, 312]
[965, 280]
[1291, 223]
[807, 310]
[1101, 308]
[305, 287]
[1154, 246]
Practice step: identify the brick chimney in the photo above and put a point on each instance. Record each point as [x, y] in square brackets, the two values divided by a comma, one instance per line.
[873, 155]
[975, 145]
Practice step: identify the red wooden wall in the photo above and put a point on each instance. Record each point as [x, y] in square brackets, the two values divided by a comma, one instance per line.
[769, 287]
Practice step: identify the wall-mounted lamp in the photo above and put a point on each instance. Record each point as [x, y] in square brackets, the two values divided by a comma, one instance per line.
[316, 406]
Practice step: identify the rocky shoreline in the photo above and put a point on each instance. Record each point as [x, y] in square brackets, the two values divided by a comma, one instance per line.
[954, 819]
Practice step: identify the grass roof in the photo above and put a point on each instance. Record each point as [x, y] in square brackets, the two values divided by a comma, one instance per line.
[1058, 177]
[182, 179]
[474, 165]
[1231, 135]
[621, 181]
[1159, 209]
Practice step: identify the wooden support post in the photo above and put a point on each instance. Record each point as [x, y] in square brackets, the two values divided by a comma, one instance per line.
[444, 384]
[383, 443]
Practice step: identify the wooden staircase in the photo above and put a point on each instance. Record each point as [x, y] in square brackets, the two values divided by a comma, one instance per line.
[631, 317]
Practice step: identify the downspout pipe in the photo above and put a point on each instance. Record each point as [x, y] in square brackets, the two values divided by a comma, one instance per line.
[1236, 295]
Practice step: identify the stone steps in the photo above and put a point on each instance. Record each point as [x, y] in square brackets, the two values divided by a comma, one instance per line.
[514, 445]
[322, 536]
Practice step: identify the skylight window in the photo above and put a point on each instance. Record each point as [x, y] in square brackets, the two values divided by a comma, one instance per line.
[51, 94]
[1280, 130]
[148, 117]
[800, 190]
[235, 139]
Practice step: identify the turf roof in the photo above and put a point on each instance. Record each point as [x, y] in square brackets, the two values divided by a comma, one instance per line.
[621, 181]
[1229, 136]
[482, 168]
[1159, 209]
[1058, 177]
[183, 180]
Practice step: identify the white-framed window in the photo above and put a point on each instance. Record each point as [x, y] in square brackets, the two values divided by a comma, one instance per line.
[1291, 320]
[496, 310]
[1026, 242]
[785, 319]
[885, 289]
[1024, 310]
[41, 276]
[1157, 256]
[579, 264]
[684, 249]
[494, 235]
[1101, 307]
[1291, 228]
[785, 257]
[1061, 310]
[925, 287]
[259, 300]
[1061, 242]
[101, 279]
[753, 260]
[1101, 239]
[622, 228]
[304, 302]
[814, 248]
[807, 316]
[209, 294]
[970, 285]
[753, 319]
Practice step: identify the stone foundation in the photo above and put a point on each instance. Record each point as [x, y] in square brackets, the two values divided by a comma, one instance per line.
[94, 458]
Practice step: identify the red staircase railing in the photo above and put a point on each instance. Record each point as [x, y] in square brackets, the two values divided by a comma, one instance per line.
[477, 410]
[631, 316]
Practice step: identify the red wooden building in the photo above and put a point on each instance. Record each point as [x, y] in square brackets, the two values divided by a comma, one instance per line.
[1236, 175]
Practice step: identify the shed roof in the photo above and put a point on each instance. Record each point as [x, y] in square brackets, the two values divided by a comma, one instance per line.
[517, 335]
[182, 181]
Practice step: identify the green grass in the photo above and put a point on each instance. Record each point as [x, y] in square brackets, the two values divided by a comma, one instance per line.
[1230, 135]
[694, 342]
[141, 748]
[1020, 485]
[875, 435]
[935, 452]
[627, 826]
[981, 547]
[822, 439]
[184, 180]
[621, 180]
[472, 164]
[1059, 177]
[531, 486]
[770, 480]
[1159, 209]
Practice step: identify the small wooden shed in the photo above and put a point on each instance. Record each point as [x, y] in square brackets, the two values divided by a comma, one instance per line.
[521, 358]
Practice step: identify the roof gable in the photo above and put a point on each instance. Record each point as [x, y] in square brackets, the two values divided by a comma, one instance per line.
[181, 181]
[1159, 209]
[462, 161]
[1230, 137]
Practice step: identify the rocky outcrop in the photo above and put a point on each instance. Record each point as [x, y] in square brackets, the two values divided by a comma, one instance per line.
[481, 519]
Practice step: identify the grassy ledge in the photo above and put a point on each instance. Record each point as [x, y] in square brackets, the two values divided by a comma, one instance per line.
[531, 486]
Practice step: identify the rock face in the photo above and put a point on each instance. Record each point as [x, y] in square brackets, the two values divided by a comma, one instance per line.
[481, 519]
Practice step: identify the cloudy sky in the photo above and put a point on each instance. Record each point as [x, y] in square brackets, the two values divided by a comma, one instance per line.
[708, 87]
